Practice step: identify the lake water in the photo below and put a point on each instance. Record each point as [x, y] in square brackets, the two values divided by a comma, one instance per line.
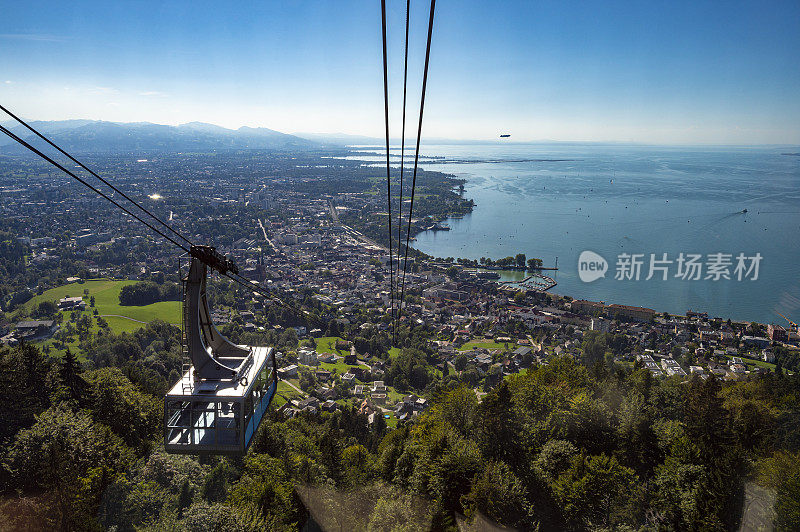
[558, 200]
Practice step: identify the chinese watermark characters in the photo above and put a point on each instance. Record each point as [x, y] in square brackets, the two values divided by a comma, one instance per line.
[688, 266]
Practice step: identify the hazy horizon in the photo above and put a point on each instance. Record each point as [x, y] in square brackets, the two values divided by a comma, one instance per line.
[395, 141]
[677, 74]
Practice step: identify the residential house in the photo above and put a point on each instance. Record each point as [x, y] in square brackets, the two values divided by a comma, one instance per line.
[777, 333]
[288, 372]
[72, 303]
[308, 357]
[35, 330]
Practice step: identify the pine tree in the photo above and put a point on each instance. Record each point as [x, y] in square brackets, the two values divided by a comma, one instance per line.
[70, 372]
[184, 498]
[498, 432]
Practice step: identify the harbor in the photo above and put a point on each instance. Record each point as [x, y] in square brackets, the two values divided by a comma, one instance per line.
[536, 281]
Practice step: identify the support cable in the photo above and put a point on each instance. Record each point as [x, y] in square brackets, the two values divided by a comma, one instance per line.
[416, 155]
[402, 150]
[264, 293]
[234, 277]
[69, 173]
[388, 172]
[76, 161]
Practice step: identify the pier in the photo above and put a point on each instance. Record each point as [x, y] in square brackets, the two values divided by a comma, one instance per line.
[537, 281]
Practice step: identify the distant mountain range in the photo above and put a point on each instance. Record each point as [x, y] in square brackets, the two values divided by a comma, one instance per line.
[92, 136]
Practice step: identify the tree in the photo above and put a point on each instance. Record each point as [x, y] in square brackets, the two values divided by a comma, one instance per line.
[520, 259]
[308, 381]
[497, 428]
[70, 373]
[450, 470]
[83, 327]
[266, 486]
[555, 457]
[56, 452]
[117, 403]
[215, 484]
[45, 309]
[593, 347]
[333, 328]
[184, 497]
[397, 511]
[593, 490]
[147, 292]
[534, 263]
[24, 389]
[357, 466]
[499, 494]
[409, 369]
[781, 472]
[708, 428]
[638, 441]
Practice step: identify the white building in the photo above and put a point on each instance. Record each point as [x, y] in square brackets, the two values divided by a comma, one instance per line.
[308, 357]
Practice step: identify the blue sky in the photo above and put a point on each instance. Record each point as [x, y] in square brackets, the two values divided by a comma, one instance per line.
[655, 72]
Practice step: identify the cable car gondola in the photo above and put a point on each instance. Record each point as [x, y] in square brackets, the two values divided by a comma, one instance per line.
[225, 389]
[217, 405]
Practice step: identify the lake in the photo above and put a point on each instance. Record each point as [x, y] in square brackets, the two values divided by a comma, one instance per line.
[736, 209]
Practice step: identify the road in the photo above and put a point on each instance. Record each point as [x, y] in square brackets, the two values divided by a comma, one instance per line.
[304, 394]
[261, 225]
[350, 231]
[364, 239]
[121, 316]
[479, 394]
[334, 214]
[533, 343]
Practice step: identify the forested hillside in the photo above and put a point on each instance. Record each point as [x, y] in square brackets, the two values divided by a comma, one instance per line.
[561, 447]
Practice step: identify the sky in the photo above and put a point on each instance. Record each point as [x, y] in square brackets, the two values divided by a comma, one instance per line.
[648, 72]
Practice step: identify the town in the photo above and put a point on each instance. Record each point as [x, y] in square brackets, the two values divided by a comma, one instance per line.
[298, 238]
[472, 390]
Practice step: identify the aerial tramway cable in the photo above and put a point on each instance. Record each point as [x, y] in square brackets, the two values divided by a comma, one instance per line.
[73, 159]
[260, 291]
[416, 156]
[101, 193]
[388, 171]
[233, 276]
[402, 152]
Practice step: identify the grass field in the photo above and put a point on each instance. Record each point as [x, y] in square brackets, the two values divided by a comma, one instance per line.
[284, 393]
[486, 345]
[106, 293]
[327, 344]
[340, 367]
[756, 363]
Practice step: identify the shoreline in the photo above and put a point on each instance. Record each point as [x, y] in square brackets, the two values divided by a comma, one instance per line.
[485, 232]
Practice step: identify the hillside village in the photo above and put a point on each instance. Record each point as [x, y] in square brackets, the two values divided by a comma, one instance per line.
[487, 400]
[297, 243]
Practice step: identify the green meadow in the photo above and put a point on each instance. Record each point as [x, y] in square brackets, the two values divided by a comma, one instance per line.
[106, 293]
